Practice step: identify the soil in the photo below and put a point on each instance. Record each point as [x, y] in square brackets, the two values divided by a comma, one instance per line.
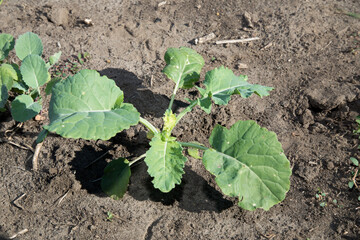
[308, 51]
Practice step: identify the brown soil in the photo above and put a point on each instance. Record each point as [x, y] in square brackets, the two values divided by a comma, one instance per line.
[307, 51]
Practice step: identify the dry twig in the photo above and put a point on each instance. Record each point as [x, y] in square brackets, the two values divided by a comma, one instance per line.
[19, 233]
[238, 40]
[35, 164]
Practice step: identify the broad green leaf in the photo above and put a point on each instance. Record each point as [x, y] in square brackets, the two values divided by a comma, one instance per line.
[7, 75]
[24, 108]
[34, 71]
[248, 162]
[165, 163]
[183, 66]
[6, 45]
[28, 43]
[221, 83]
[116, 178]
[89, 106]
[3, 95]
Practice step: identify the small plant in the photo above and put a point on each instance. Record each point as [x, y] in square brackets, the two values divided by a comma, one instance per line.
[248, 161]
[26, 78]
[353, 183]
[110, 216]
[321, 196]
[83, 57]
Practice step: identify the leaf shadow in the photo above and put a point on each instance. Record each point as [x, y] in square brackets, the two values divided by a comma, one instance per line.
[145, 101]
[194, 194]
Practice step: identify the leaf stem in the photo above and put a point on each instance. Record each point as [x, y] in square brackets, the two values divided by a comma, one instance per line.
[186, 110]
[193, 145]
[137, 159]
[148, 125]
[173, 96]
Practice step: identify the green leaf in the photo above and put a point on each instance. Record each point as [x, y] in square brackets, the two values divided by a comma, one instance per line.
[205, 104]
[165, 163]
[24, 108]
[354, 161]
[116, 178]
[89, 106]
[50, 84]
[7, 43]
[183, 66]
[194, 152]
[248, 162]
[3, 95]
[7, 75]
[34, 71]
[28, 43]
[351, 184]
[54, 58]
[169, 123]
[221, 83]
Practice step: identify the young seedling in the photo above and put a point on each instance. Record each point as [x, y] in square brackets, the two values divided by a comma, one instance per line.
[25, 79]
[247, 161]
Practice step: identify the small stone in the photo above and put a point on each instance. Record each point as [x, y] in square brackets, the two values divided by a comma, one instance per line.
[91, 227]
[307, 118]
[242, 66]
[330, 165]
[76, 185]
[53, 171]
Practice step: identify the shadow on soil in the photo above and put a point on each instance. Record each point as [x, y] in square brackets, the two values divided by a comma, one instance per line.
[194, 194]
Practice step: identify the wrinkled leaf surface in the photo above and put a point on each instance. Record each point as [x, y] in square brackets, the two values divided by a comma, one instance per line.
[28, 43]
[89, 106]
[7, 43]
[249, 163]
[183, 66]
[24, 108]
[165, 163]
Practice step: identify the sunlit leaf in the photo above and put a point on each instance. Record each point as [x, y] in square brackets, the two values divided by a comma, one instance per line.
[28, 43]
[183, 66]
[89, 106]
[165, 163]
[249, 163]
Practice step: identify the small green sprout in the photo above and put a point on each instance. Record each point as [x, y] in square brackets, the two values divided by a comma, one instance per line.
[110, 216]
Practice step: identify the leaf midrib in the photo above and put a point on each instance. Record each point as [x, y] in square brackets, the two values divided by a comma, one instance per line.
[245, 165]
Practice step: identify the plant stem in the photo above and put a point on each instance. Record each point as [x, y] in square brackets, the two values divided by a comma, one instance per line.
[137, 159]
[186, 110]
[193, 145]
[173, 97]
[148, 125]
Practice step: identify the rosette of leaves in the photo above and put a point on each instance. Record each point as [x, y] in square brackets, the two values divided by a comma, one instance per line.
[247, 161]
[24, 79]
